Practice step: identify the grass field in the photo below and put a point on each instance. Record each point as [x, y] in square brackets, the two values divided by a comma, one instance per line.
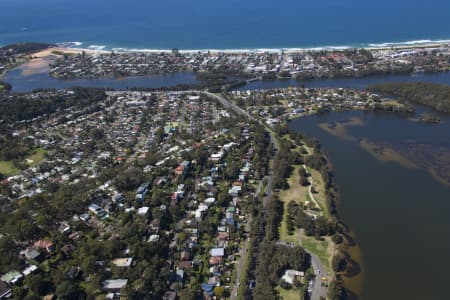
[319, 186]
[323, 250]
[37, 157]
[296, 193]
[288, 294]
[7, 168]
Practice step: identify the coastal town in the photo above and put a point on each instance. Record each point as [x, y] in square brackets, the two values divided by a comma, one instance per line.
[300, 64]
[175, 193]
[181, 194]
[224, 150]
[278, 106]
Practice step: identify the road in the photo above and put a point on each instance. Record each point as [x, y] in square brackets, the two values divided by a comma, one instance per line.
[243, 252]
[268, 190]
[318, 290]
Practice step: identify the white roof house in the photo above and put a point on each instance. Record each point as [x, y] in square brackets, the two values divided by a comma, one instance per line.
[217, 252]
[143, 210]
[153, 238]
[289, 275]
[114, 284]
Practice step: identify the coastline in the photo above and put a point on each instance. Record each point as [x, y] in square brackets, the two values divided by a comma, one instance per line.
[78, 46]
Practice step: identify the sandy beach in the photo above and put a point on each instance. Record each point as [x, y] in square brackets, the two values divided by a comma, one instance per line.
[380, 47]
[55, 51]
[40, 60]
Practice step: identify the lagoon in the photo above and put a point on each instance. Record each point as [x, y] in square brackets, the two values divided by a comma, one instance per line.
[24, 81]
[398, 214]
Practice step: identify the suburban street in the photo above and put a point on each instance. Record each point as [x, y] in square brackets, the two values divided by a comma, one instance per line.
[318, 290]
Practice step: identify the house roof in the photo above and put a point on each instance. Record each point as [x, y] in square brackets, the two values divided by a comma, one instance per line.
[114, 284]
[4, 288]
[185, 265]
[43, 244]
[67, 249]
[123, 262]
[214, 260]
[29, 270]
[10, 276]
[32, 254]
[217, 252]
[143, 210]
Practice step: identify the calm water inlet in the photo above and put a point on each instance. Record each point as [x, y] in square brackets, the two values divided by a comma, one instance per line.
[399, 215]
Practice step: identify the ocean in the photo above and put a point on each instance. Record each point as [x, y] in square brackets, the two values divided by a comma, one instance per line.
[220, 24]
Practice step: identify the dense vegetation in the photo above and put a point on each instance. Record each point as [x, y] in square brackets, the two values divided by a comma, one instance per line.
[24, 48]
[277, 258]
[4, 86]
[430, 94]
[272, 254]
[18, 107]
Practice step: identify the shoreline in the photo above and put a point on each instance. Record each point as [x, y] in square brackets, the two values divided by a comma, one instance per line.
[418, 44]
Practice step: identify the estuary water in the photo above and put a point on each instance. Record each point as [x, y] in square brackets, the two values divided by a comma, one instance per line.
[27, 82]
[399, 213]
[24, 81]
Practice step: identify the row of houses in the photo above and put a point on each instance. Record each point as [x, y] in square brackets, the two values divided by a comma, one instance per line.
[290, 63]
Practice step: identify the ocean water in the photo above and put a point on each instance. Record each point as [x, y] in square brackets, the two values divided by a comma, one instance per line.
[220, 24]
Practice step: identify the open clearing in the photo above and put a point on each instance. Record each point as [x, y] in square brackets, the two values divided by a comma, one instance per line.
[290, 294]
[323, 249]
[7, 168]
[296, 193]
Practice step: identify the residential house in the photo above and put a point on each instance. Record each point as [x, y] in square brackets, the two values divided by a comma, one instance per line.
[33, 254]
[43, 244]
[5, 290]
[114, 285]
[123, 262]
[289, 275]
[67, 250]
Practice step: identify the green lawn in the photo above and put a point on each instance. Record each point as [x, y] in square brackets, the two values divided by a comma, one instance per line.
[37, 157]
[319, 186]
[296, 193]
[7, 168]
[320, 248]
[290, 294]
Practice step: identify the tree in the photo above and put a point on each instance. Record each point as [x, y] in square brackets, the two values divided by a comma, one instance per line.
[219, 290]
[88, 265]
[339, 262]
[69, 290]
[337, 291]
[187, 294]
[304, 181]
[9, 258]
[38, 284]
